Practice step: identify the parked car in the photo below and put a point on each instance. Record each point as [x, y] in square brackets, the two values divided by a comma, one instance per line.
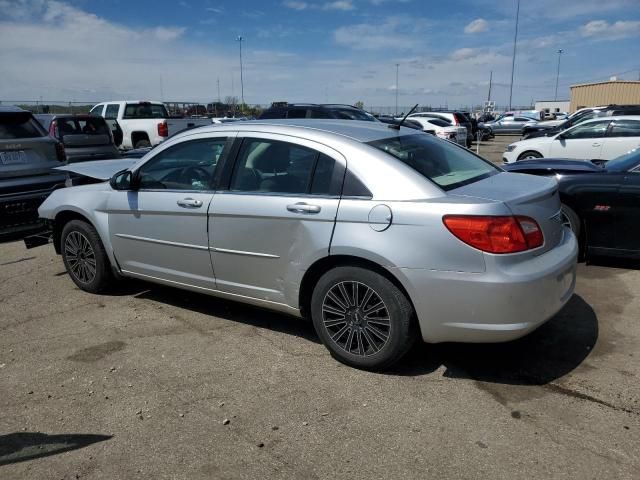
[85, 137]
[599, 201]
[546, 129]
[443, 129]
[381, 236]
[407, 123]
[312, 110]
[143, 123]
[457, 119]
[27, 156]
[603, 138]
[510, 125]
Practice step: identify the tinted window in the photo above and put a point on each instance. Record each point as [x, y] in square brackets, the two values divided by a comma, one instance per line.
[19, 125]
[187, 166]
[317, 113]
[297, 113]
[112, 111]
[444, 163]
[351, 114]
[439, 122]
[145, 110]
[523, 119]
[273, 166]
[323, 176]
[590, 130]
[82, 126]
[625, 128]
[267, 114]
[97, 110]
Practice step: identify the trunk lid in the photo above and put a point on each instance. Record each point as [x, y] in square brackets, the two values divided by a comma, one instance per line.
[528, 195]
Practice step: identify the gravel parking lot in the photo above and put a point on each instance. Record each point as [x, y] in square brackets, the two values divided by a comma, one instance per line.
[151, 382]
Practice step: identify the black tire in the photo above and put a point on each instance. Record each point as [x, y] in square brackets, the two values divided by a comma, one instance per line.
[142, 144]
[529, 154]
[89, 268]
[572, 220]
[368, 348]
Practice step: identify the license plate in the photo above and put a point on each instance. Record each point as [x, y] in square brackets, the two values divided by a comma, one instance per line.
[13, 158]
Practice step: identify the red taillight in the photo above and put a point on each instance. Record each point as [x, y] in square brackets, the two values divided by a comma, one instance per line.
[60, 153]
[163, 129]
[496, 234]
[53, 129]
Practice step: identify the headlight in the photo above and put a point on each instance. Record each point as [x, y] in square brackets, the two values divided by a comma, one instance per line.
[511, 147]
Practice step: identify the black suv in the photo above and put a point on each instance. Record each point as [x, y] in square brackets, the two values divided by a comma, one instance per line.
[312, 110]
[27, 157]
[587, 114]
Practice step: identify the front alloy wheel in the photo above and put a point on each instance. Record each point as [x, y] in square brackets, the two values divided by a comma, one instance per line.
[80, 257]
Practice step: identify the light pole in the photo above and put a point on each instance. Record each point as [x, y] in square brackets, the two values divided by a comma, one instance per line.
[513, 60]
[241, 79]
[397, 70]
[555, 97]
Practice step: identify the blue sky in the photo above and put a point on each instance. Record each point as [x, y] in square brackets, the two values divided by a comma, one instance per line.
[312, 50]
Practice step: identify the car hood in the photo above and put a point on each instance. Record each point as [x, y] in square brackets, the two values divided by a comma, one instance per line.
[555, 164]
[99, 169]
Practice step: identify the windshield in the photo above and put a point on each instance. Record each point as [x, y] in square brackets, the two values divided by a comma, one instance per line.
[624, 162]
[442, 162]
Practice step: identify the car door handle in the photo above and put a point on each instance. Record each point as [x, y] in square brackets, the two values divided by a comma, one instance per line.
[189, 203]
[596, 144]
[303, 208]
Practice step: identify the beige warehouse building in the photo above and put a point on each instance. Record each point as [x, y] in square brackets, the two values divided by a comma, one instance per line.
[619, 92]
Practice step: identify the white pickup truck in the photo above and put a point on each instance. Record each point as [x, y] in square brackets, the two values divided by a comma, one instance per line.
[143, 123]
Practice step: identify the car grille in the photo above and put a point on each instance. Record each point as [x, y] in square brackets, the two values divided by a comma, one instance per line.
[20, 213]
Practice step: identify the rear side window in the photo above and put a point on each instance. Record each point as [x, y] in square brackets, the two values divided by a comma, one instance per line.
[19, 125]
[144, 110]
[351, 114]
[112, 111]
[82, 126]
[439, 122]
[625, 128]
[444, 163]
[297, 113]
[271, 114]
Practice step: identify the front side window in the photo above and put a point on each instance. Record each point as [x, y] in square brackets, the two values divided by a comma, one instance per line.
[625, 128]
[272, 166]
[112, 111]
[189, 165]
[589, 130]
[444, 163]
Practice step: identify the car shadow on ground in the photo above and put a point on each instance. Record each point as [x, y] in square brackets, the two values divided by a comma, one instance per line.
[550, 352]
[23, 446]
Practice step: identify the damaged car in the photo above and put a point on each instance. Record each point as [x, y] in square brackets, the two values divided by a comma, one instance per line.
[381, 236]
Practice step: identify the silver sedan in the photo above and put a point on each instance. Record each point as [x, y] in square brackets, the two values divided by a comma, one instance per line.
[380, 235]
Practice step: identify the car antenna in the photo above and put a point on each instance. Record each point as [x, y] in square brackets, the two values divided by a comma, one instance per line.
[397, 127]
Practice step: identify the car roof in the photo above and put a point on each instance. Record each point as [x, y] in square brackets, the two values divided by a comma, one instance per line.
[358, 130]
[11, 109]
[610, 118]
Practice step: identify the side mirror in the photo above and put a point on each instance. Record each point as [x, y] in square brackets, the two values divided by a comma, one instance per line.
[123, 180]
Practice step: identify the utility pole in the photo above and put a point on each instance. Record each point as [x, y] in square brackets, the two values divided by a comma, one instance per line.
[555, 97]
[397, 70]
[161, 90]
[241, 80]
[513, 60]
[490, 81]
[218, 89]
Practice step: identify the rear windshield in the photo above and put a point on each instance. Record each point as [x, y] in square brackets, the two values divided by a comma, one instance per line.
[145, 110]
[442, 162]
[352, 114]
[19, 125]
[82, 126]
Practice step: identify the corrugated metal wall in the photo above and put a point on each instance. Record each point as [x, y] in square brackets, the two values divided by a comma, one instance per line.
[594, 94]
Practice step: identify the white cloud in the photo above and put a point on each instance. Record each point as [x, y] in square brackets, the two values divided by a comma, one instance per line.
[610, 31]
[479, 25]
[296, 5]
[339, 5]
[398, 32]
[463, 54]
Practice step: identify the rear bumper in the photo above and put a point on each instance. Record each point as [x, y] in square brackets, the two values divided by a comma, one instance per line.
[501, 304]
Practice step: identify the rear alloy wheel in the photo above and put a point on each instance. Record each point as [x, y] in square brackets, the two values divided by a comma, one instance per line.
[84, 257]
[362, 318]
[529, 155]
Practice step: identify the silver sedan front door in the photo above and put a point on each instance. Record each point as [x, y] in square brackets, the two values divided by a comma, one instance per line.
[159, 230]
